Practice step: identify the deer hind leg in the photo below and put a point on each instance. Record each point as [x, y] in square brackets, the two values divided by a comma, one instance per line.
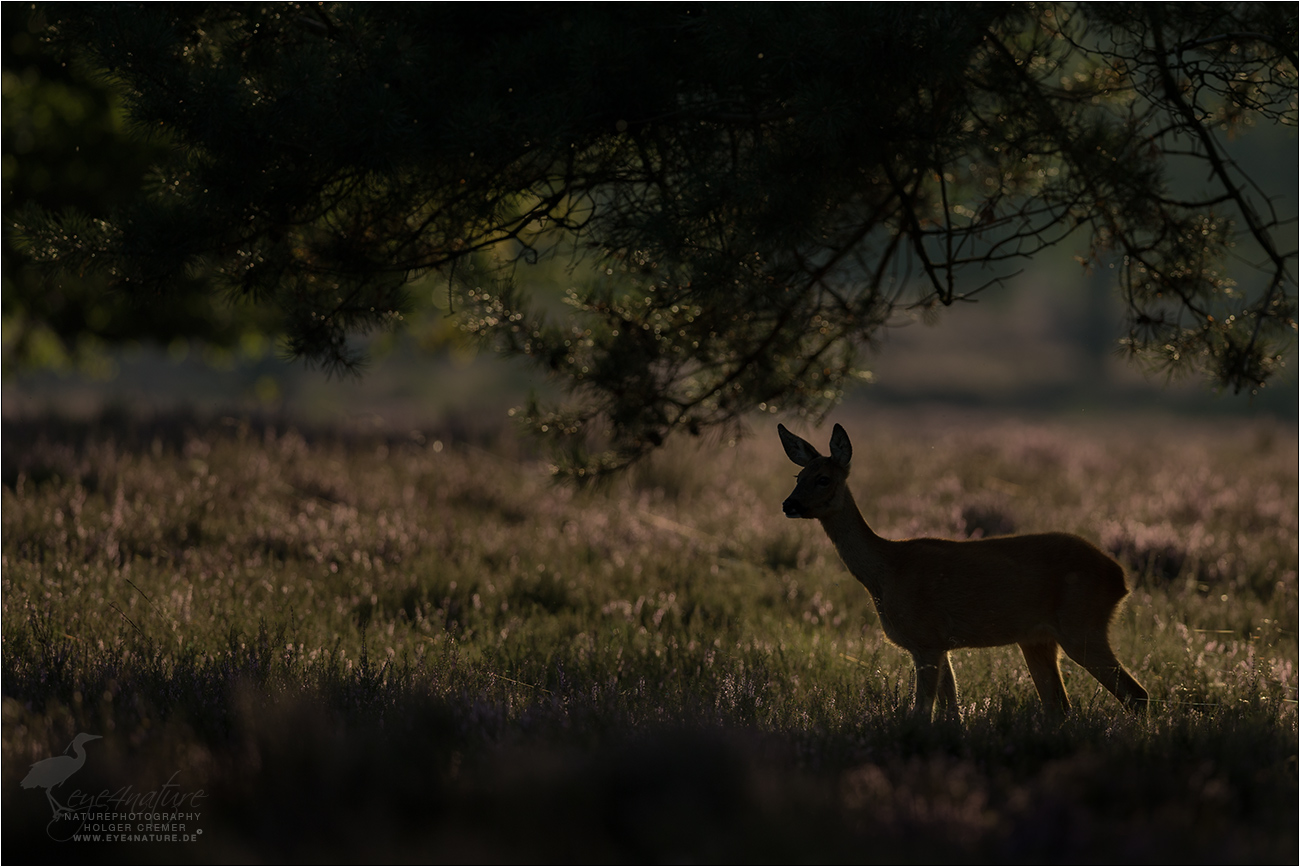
[948, 689]
[1044, 667]
[933, 678]
[1094, 653]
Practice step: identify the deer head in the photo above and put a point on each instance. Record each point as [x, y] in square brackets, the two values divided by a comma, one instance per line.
[821, 484]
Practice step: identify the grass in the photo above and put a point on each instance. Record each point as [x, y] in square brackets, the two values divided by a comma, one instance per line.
[415, 648]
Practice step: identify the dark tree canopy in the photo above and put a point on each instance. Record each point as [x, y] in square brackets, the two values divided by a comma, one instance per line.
[762, 186]
[64, 147]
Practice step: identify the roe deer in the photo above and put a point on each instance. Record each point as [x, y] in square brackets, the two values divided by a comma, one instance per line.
[1045, 592]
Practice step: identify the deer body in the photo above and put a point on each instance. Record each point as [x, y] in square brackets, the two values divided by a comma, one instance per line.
[1046, 592]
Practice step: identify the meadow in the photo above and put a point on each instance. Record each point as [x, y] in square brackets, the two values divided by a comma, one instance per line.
[414, 646]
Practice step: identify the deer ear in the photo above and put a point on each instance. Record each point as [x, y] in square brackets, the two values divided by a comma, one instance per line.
[841, 448]
[796, 448]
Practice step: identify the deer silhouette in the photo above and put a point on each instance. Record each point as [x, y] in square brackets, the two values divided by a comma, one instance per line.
[51, 773]
[1046, 592]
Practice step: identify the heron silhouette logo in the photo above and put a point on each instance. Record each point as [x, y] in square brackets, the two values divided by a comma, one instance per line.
[49, 774]
[164, 814]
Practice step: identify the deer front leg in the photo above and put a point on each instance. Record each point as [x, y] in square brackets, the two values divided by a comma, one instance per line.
[933, 673]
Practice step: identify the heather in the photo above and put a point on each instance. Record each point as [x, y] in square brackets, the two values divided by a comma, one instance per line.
[414, 645]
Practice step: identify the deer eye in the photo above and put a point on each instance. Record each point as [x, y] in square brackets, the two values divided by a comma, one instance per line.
[823, 481]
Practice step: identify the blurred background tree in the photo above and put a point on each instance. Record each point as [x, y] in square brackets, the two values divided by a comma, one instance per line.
[747, 194]
[66, 150]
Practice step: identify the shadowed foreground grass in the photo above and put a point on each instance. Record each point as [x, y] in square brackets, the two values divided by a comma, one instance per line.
[417, 648]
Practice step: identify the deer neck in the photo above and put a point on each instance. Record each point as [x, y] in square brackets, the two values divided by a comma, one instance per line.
[862, 551]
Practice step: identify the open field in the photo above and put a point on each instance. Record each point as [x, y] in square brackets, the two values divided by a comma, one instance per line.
[415, 647]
